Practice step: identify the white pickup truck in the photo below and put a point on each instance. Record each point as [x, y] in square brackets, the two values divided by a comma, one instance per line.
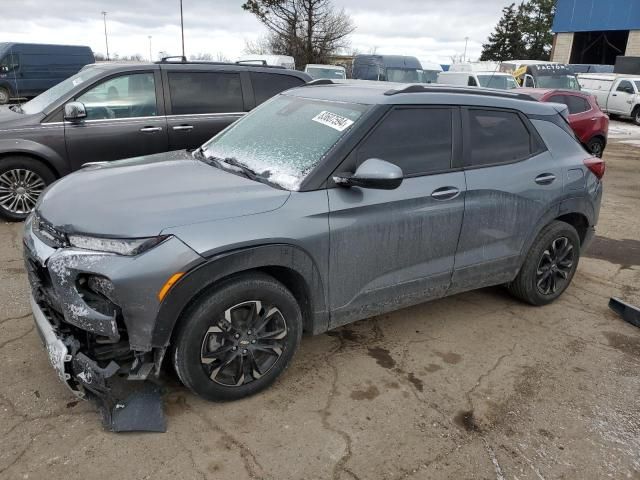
[616, 94]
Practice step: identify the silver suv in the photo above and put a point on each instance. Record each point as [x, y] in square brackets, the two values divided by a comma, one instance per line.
[325, 205]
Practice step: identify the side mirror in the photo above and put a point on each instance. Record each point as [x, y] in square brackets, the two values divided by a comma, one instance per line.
[373, 173]
[74, 111]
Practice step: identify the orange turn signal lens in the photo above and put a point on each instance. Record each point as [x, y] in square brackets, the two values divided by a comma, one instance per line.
[169, 283]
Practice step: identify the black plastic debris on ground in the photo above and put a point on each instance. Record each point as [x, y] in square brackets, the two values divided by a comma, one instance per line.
[140, 412]
[629, 313]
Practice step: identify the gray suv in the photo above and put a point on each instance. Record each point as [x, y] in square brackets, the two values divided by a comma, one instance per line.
[111, 111]
[325, 205]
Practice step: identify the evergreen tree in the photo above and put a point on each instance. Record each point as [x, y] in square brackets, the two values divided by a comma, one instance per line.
[506, 42]
[536, 20]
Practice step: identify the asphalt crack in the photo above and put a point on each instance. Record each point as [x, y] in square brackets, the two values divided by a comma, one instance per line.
[20, 337]
[5, 320]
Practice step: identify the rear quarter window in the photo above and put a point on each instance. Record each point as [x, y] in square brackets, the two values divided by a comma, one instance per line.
[267, 85]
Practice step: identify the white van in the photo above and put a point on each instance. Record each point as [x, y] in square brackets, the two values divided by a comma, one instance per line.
[430, 71]
[318, 71]
[616, 93]
[275, 60]
[487, 66]
[502, 81]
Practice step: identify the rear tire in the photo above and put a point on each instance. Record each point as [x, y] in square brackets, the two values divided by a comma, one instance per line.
[596, 146]
[636, 115]
[5, 96]
[22, 181]
[549, 266]
[236, 340]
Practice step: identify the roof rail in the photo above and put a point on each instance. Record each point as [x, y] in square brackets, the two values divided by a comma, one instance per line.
[321, 81]
[182, 58]
[430, 88]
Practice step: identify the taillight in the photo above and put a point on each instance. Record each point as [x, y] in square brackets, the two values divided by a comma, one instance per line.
[596, 165]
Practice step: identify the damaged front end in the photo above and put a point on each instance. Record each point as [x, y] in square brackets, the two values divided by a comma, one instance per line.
[96, 312]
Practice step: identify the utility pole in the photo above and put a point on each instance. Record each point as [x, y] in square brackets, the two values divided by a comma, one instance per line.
[466, 41]
[150, 56]
[182, 28]
[106, 39]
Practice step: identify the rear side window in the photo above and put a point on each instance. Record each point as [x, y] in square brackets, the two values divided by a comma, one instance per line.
[625, 86]
[266, 85]
[205, 92]
[418, 140]
[496, 137]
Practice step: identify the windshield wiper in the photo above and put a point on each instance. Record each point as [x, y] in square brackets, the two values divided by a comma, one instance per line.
[249, 173]
[233, 162]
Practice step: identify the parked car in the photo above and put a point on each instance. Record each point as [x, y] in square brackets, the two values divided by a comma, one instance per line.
[317, 71]
[28, 69]
[325, 205]
[616, 94]
[109, 112]
[587, 120]
[539, 74]
[284, 61]
[389, 68]
[499, 80]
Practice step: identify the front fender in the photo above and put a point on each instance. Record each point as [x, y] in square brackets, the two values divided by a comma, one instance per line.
[32, 148]
[226, 264]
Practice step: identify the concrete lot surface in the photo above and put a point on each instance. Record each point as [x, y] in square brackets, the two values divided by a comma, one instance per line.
[473, 386]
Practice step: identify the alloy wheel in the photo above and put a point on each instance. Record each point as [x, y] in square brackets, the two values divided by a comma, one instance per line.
[4, 96]
[245, 344]
[555, 266]
[596, 149]
[19, 190]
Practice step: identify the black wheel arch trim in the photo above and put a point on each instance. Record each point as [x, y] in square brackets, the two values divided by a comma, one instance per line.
[38, 151]
[262, 258]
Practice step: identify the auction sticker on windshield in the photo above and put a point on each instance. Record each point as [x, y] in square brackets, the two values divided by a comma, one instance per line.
[332, 120]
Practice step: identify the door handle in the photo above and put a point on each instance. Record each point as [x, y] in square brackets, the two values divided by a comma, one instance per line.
[614, 94]
[595, 119]
[151, 129]
[445, 193]
[183, 127]
[545, 178]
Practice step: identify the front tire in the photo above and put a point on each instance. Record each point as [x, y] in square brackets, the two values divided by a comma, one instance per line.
[236, 340]
[5, 96]
[550, 265]
[636, 115]
[22, 181]
[596, 146]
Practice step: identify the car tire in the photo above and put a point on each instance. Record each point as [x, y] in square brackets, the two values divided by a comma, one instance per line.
[596, 146]
[218, 356]
[635, 115]
[549, 266]
[5, 95]
[22, 181]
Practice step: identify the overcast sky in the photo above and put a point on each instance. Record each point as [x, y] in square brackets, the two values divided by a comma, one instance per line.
[432, 30]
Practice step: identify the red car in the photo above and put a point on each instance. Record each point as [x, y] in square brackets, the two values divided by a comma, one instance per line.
[590, 124]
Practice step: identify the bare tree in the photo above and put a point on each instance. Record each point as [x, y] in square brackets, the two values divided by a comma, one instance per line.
[259, 46]
[207, 57]
[308, 30]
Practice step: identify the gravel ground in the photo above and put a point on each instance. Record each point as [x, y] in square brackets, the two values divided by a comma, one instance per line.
[472, 386]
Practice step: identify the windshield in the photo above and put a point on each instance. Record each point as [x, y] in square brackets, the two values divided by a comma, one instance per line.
[429, 76]
[404, 75]
[567, 82]
[503, 82]
[46, 98]
[285, 138]
[318, 72]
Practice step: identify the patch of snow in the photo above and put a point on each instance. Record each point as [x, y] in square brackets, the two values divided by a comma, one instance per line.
[618, 129]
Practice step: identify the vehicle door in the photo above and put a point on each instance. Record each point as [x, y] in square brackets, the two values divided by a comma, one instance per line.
[582, 118]
[511, 181]
[125, 118]
[622, 98]
[393, 248]
[202, 102]
[9, 74]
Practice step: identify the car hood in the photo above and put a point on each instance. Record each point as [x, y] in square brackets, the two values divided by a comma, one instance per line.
[10, 119]
[140, 197]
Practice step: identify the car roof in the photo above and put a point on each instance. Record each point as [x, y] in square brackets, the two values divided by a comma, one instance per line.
[388, 93]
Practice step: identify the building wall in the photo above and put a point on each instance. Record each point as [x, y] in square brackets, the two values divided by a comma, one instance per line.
[596, 15]
[633, 44]
[562, 47]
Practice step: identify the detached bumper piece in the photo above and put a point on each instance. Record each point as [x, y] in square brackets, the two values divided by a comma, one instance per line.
[629, 313]
[142, 409]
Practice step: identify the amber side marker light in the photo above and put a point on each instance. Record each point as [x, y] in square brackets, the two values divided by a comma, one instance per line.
[168, 284]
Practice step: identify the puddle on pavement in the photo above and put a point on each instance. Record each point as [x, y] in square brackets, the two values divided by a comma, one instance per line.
[465, 419]
[621, 252]
[624, 343]
[450, 357]
[416, 382]
[382, 356]
[368, 394]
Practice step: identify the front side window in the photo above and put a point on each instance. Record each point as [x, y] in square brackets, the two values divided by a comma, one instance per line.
[286, 137]
[266, 85]
[565, 82]
[496, 137]
[625, 86]
[418, 140]
[126, 96]
[472, 82]
[205, 92]
[9, 63]
[404, 75]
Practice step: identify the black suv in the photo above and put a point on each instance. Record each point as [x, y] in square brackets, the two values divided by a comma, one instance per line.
[112, 111]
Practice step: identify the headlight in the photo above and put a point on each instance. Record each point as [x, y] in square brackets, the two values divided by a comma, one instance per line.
[120, 246]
